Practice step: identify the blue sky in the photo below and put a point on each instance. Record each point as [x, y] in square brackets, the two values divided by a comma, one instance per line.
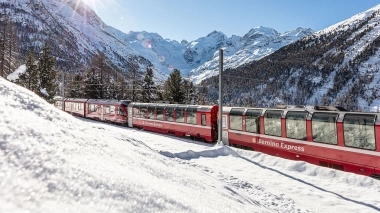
[192, 19]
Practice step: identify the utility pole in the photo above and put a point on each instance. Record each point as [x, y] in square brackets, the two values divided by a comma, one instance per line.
[220, 139]
[63, 91]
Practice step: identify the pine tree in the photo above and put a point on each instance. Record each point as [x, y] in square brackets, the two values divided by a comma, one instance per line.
[135, 75]
[173, 87]
[29, 79]
[92, 88]
[47, 75]
[75, 88]
[148, 94]
[8, 44]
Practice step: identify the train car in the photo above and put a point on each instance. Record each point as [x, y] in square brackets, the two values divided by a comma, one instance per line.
[198, 122]
[75, 106]
[58, 102]
[113, 111]
[324, 136]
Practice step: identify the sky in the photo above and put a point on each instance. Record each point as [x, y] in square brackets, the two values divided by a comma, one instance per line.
[192, 19]
[51, 161]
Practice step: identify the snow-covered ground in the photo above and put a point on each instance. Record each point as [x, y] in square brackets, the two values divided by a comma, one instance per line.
[53, 162]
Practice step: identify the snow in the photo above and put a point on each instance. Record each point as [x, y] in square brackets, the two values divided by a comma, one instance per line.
[53, 162]
[14, 76]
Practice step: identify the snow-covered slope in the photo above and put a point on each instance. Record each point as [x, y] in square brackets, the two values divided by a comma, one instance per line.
[81, 34]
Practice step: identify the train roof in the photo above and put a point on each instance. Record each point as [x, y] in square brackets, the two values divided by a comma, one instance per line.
[76, 99]
[111, 102]
[200, 108]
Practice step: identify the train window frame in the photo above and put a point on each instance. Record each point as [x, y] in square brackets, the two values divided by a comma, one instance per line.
[249, 117]
[277, 130]
[203, 120]
[193, 112]
[169, 114]
[353, 143]
[303, 127]
[160, 113]
[180, 111]
[330, 136]
[236, 119]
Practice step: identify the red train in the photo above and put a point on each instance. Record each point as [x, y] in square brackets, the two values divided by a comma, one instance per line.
[325, 136]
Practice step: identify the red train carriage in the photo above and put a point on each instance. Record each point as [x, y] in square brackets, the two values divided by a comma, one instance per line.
[108, 110]
[182, 120]
[348, 141]
[75, 106]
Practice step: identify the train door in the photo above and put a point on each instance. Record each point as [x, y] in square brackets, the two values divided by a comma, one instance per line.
[101, 112]
[225, 130]
[130, 114]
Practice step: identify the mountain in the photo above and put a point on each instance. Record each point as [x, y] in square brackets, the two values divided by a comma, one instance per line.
[257, 43]
[81, 34]
[335, 66]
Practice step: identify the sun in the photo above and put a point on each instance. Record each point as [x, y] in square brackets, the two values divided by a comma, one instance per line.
[92, 3]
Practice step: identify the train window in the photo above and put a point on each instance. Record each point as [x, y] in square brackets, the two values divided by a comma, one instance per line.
[272, 122]
[296, 125]
[324, 128]
[169, 114]
[252, 122]
[151, 112]
[203, 120]
[112, 109]
[236, 119]
[160, 113]
[107, 109]
[359, 131]
[191, 114]
[92, 107]
[136, 111]
[179, 115]
[143, 112]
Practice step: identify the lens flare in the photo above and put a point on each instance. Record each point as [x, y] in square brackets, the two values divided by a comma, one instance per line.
[146, 43]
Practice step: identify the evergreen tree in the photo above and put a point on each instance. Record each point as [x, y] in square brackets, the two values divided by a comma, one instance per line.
[173, 87]
[92, 88]
[136, 77]
[47, 75]
[189, 92]
[148, 93]
[75, 88]
[99, 63]
[29, 79]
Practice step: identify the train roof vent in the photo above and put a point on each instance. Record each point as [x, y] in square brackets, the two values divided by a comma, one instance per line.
[290, 107]
[330, 108]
